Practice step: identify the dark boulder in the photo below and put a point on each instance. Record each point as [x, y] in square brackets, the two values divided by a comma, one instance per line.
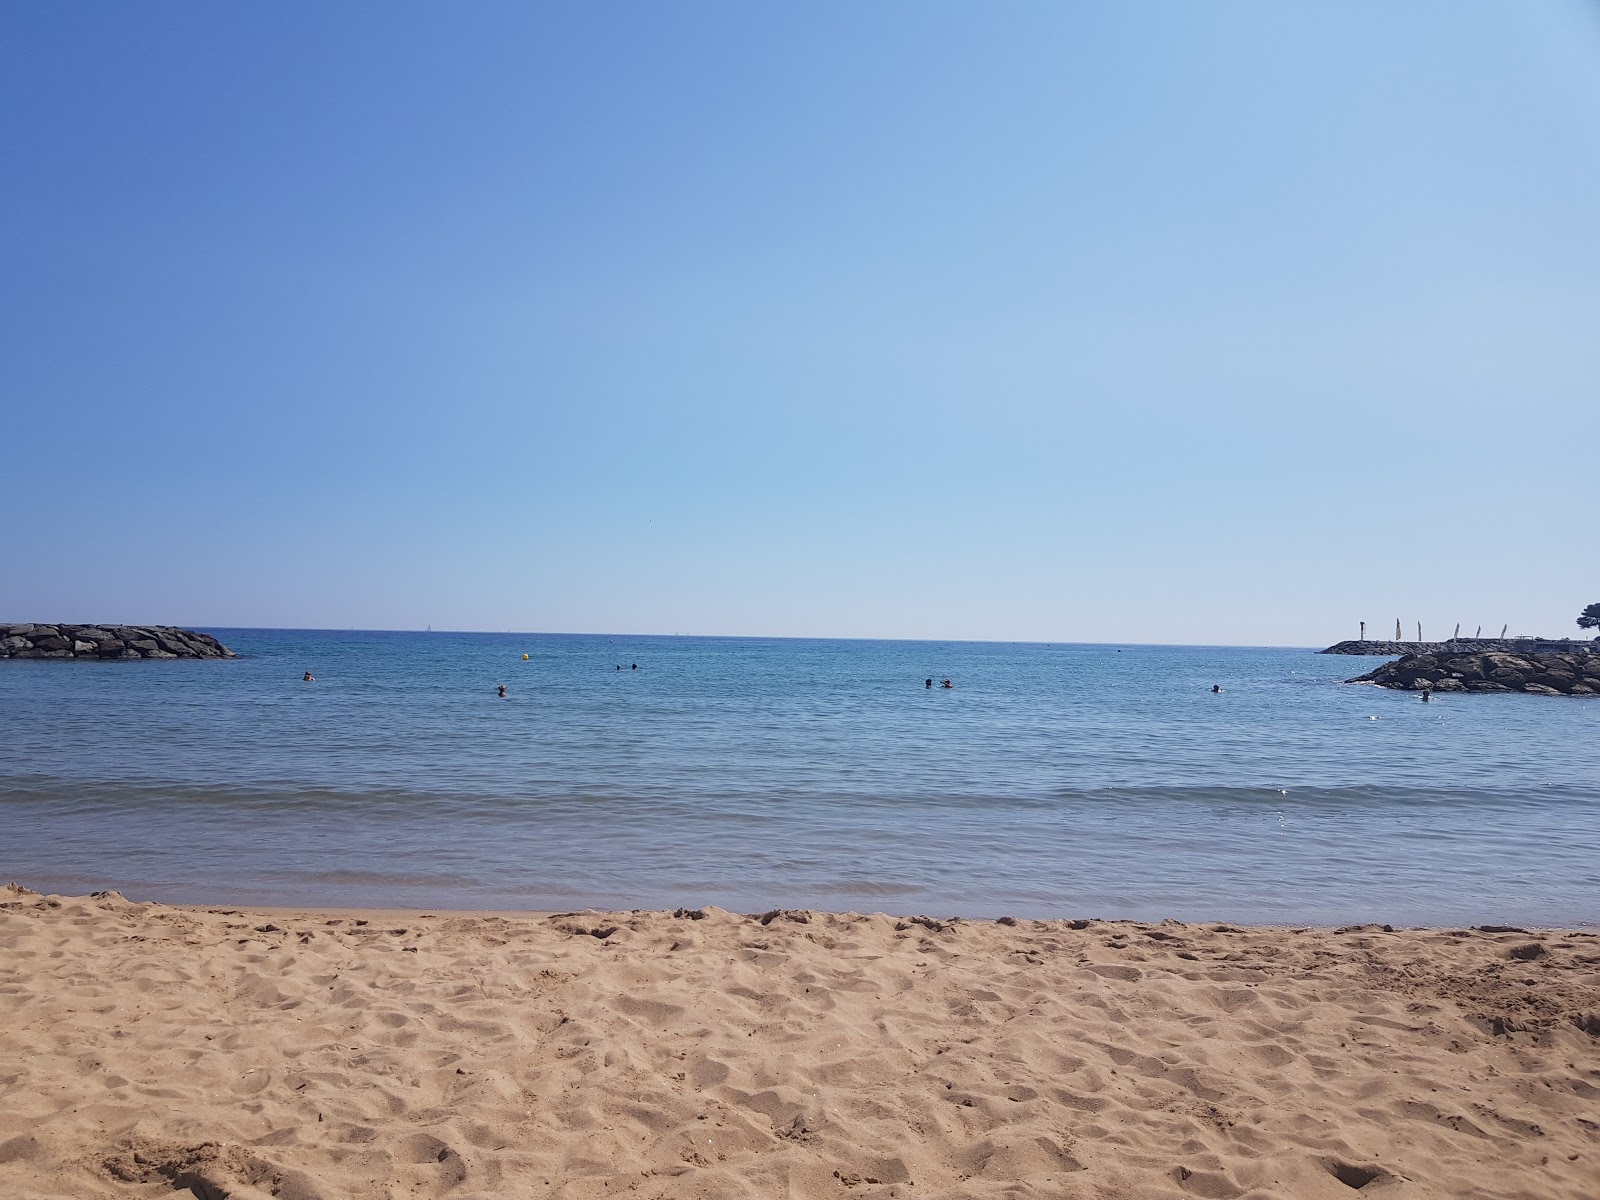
[1560, 680]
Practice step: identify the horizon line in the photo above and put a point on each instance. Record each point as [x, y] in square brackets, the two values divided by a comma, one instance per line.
[765, 637]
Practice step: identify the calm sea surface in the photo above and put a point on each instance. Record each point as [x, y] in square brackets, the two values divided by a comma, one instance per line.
[1051, 780]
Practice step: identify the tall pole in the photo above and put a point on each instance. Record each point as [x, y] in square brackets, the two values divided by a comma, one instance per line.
[1397, 634]
[1503, 629]
[1457, 633]
[1479, 634]
[1363, 631]
[1419, 631]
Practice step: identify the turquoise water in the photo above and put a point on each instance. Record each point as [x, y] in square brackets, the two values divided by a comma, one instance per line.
[750, 773]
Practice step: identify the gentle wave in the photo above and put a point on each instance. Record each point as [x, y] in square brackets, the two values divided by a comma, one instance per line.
[735, 807]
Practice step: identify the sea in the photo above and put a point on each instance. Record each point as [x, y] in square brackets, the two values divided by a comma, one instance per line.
[663, 772]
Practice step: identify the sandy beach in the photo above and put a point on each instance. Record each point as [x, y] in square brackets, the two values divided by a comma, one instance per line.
[147, 1050]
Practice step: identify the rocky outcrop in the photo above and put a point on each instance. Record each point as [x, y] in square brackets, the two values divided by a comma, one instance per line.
[107, 642]
[1466, 646]
[1574, 673]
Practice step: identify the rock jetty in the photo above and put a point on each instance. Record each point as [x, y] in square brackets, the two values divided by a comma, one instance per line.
[1572, 673]
[1511, 645]
[107, 642]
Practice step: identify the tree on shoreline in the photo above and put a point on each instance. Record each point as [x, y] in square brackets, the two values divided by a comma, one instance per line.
[1589, 618]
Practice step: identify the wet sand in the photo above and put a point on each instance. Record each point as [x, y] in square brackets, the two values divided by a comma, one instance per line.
[149, 1051]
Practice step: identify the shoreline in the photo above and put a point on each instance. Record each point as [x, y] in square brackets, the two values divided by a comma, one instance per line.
[439, 912]
[988, 915]
[311, 1053]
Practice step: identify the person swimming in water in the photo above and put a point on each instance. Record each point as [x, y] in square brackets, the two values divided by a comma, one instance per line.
[947, 684]
[1216, 687]
[501, 688]
[928, 682]
[308, 677]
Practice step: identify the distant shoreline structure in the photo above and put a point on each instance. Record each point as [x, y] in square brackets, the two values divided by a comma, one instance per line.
[1513, 645]
[106, 643]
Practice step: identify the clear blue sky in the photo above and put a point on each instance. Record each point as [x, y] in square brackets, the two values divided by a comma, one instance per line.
[1138, 322]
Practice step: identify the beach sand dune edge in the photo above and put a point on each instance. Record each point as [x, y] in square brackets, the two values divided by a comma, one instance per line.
[148, 1050]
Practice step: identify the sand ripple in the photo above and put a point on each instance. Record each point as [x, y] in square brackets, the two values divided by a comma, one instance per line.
[148, 1050]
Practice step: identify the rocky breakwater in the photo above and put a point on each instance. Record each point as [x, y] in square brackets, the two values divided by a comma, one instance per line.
[1567, 673]
[107, 642]
[1511, 645]
[1379, 648]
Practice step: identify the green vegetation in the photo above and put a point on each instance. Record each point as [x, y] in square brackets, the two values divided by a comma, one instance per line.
[1589, 618]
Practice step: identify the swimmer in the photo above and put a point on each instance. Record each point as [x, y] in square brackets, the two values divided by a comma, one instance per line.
[635, 666]
[947, 684]
[308, 677]
[1426, 695]
[928, 682]
[1216, 688]
[501, 688]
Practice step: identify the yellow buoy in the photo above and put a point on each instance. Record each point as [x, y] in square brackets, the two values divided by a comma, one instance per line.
[524, 658]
